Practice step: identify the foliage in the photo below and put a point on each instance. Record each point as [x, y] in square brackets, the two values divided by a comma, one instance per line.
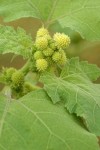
[80, 15]
[33, 122]
[16, 42]
[60, 110]
[79, 94]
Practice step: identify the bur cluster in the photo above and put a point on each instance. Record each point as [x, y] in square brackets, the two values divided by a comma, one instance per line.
[50, 50]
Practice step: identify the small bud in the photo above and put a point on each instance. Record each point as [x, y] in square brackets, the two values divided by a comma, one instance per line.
[48, 52]
[7, 73]
[63, 59]
[17, 78]
[56, 56]
[61, 40]
[53, 46]
[42, 32]
[41, 64]
[38, 55]
[41, 43]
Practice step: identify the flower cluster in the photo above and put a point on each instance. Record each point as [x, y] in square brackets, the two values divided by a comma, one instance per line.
[50, 50]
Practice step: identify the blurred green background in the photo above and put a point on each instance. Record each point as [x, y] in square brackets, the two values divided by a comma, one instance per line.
[86, 50]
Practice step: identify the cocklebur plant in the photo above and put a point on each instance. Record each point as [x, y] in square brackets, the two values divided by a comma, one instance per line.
[43, 57]
[51, 102]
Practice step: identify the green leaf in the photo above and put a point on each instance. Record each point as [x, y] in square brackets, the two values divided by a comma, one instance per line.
[83, 68]
[34, 123]
[77, 16]
[76, 90]
[81, 15]
[16, 42]
[23, 8]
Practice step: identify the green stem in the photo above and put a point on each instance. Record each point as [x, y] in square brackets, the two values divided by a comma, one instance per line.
[26, 68]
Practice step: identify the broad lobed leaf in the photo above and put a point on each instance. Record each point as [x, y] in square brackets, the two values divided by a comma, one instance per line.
[75, 89]
[81, 15]
[83, 68]
[17, 42]
[33, 122]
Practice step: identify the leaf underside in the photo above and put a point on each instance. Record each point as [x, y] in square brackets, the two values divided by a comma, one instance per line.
[75, 89]
[81, 15]
[34, 123]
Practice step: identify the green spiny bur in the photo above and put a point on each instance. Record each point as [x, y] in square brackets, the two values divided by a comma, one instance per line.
[38, 55]
[41, 64]
[56, 56]
[41, 43]
[48, 52]
[17, 79]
